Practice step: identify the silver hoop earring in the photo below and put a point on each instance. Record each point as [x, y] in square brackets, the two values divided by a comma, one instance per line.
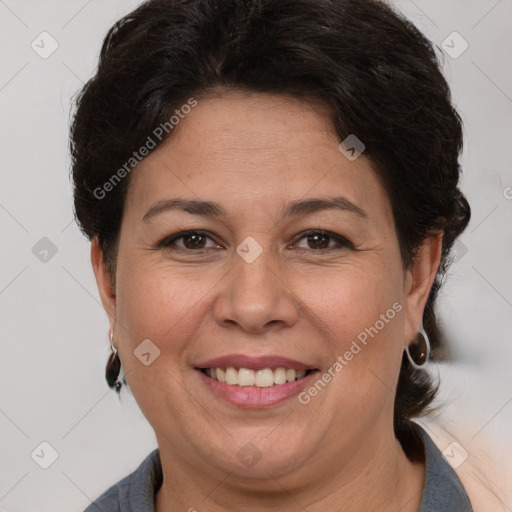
[418, 352]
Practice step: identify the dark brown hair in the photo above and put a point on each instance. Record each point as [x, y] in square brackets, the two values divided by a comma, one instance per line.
[377, 74]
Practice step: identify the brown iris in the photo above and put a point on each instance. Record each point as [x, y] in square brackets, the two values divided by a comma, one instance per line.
[194, 241]
[320, 241]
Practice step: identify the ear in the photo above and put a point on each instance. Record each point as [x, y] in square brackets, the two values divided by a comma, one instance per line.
[104, 280]
[418, 282]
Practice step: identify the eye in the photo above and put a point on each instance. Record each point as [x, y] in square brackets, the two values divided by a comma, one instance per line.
[317, 240]
[321, 240]
[191, 240]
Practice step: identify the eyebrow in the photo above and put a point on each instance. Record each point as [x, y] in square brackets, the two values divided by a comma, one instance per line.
[294, 208]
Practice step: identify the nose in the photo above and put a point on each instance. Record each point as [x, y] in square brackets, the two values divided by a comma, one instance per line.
[256, 297]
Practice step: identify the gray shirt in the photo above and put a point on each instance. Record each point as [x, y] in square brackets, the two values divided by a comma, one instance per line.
[443, 491]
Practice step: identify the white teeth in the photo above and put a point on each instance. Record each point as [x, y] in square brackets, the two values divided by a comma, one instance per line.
[290, 375]
[231, 376]
[279, 376]
[221, 375]
[264, 378]
[246, 377]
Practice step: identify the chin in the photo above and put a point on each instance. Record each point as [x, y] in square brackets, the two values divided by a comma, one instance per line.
[254, 460]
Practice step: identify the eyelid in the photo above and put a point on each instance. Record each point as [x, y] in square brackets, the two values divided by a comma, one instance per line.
[342, 241]
[169, 240]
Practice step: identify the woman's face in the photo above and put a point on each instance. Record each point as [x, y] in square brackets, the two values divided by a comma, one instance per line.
[294, 265]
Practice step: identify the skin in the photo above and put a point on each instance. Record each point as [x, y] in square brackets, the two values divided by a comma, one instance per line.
[252, 154]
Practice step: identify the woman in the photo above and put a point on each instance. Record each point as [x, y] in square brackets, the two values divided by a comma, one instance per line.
[271, 191]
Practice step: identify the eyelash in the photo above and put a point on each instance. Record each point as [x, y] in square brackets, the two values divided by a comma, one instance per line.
[168, 242]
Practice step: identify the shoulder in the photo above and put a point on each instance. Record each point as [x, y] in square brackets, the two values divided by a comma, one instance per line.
[443, 490]
[135, 492]
[481, 463]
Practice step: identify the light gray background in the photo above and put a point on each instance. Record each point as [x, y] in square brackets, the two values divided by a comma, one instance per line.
[53, 329]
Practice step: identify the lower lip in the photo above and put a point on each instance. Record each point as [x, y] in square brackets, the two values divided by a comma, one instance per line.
[256, 398]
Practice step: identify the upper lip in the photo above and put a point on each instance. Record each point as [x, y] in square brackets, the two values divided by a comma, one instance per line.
[254, 363]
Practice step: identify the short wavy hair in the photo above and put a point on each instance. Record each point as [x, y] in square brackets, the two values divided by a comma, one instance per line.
[378, 75]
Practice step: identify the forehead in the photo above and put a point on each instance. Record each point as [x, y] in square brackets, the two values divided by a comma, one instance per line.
[253, 129]
[252, 147]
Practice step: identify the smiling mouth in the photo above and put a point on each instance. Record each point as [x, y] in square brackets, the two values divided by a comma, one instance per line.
[246, 377]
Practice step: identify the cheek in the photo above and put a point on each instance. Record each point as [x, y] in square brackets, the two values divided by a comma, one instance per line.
[156, 302]
[354, 297]
[360, 309]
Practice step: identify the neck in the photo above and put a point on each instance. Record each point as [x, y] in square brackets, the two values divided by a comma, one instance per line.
[379, 478]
